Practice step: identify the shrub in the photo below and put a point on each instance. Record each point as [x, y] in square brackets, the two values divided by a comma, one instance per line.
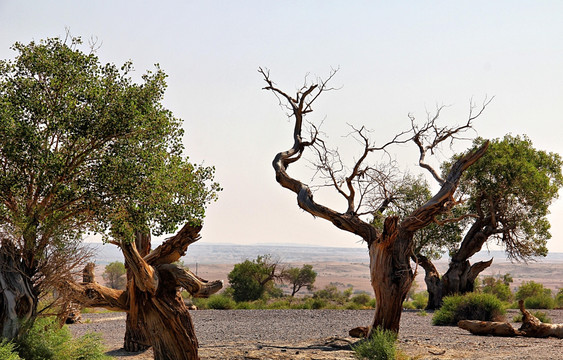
[471, 306]
[7, 351]
[45, 340]
[539, 314]
[559, 299]
[361, 299]
[531, 289]
[220, 302]
[380, 346]
[408, 305]
[420, 300]
[539, 302]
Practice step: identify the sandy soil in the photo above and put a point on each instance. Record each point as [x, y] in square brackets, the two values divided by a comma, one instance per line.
[323, 335]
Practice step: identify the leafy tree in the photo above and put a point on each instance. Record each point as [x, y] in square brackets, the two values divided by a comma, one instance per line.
[299, 277]
[499, 287]
[506, 197]
[250, 280]
[84, 148]
[114, 275]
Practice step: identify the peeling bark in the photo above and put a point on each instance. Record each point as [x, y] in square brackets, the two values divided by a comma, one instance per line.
[152, 299]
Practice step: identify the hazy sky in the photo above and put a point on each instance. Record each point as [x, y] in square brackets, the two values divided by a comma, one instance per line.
[395, 58]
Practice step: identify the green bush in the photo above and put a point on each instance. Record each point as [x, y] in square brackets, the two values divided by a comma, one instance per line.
[361, 299]
[531, 289]
[408, 305]
[7, 351]
[539, 314]
[471, 306]
[380, 346]
[45, 340]
[420, 300]
[539, 302]
[559, 299]
[220, 302]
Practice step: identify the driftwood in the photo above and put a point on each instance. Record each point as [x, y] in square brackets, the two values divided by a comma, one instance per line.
[531, 327]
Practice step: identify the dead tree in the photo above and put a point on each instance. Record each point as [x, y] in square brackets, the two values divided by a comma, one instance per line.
[531, 327]
[152, 299]
[390, 248]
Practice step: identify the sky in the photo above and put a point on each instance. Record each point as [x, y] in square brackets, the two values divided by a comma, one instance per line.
[394, 58]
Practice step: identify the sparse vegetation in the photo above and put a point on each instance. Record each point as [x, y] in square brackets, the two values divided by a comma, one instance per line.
[46, 340]
[471, 306]
[380, 346]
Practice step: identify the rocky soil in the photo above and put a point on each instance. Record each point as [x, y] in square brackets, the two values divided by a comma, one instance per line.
[323, 335]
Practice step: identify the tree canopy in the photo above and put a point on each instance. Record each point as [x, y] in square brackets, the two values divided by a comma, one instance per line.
[252, 278]
[300, 277]
[85, 148]
[510, 189]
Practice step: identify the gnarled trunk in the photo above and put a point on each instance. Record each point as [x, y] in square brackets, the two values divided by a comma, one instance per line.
[391, 274]
[152, 299]
[18, 303]
[135, 339]
[433, 283]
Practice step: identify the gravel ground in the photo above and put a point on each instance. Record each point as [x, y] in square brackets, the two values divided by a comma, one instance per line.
[323, 335]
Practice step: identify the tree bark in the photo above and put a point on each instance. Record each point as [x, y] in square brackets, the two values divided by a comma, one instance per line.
[18, 302]
[391, 274]
[135, 339]
[153, 296]
[433, 283]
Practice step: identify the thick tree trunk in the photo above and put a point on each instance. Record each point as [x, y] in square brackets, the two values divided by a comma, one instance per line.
[18, 303]
[152, 297]
[135, 339]
[391, 274]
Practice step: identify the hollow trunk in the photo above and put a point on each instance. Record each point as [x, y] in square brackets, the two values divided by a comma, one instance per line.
[18, 303]
[135, 339]
[391, 274]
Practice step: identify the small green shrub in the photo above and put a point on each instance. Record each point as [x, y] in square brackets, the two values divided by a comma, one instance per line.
[539, 302]
[422, 313]
[471, 306]
[361, 299]
[220, 302]
[244, 305]
[45, 340]
[559, 299]
[7, 351]
[539, 314]
[420, 300]
[380, 346]
[408, 305]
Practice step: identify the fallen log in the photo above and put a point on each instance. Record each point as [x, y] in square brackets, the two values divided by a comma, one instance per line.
[531, 327]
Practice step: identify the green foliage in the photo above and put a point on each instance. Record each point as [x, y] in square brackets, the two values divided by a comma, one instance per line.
[531, 288]
[539, 314]
[220, 302]
[300, 277]
[250, 280]
[499, 287]
[471, 306]
[559, 299]
[420, 299]
[114, 275]
[361, 299]
[45, 340]
[331, 293]
[511, 188]
[8, 352]
[380, 346]
[539, 302]
[422, 313]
